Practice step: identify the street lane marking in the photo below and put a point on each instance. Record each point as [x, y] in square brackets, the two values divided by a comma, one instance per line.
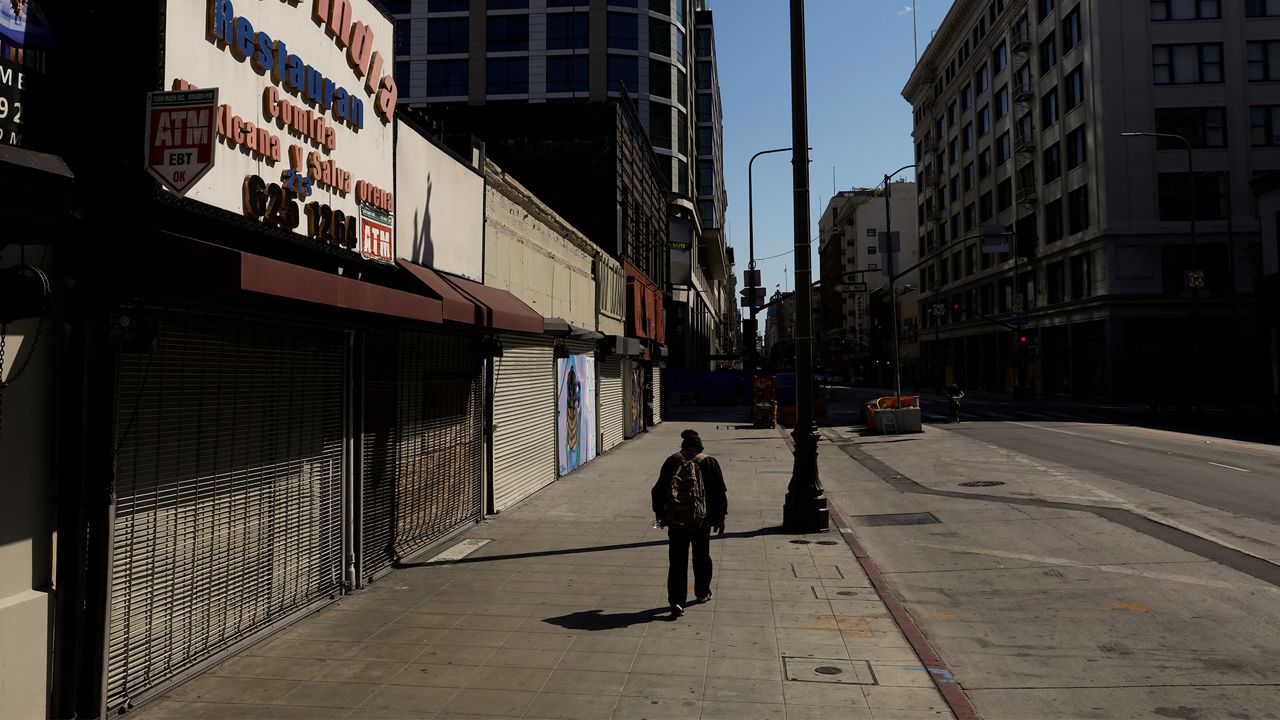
[1118, 442]
[1041, 427]
[1229, 467]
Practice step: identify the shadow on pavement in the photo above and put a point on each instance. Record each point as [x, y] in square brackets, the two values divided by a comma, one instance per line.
[580, 550]
[598, 620]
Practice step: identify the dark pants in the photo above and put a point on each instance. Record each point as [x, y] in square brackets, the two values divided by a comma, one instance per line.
[678, 573]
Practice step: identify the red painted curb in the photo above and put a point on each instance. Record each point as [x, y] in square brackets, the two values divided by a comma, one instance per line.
[957, 701]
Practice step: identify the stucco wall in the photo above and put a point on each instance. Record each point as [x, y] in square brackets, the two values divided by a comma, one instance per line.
[533, 254]
[27, 434]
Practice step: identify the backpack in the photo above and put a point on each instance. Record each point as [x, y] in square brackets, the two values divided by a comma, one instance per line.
[686, 507]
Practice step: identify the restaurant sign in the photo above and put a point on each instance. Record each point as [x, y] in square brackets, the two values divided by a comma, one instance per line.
[303, 131]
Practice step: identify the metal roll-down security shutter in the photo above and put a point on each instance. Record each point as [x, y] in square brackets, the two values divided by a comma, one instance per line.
[422, 443]
[612, 414]
[657, 394]
[524, 417]
[228, 489]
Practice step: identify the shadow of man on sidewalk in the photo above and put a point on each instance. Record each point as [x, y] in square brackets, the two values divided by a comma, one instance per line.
[598, 620]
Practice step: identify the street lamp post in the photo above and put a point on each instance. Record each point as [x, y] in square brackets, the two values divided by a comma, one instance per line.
[751, 254]
[1195, 257]
[893, 290]
[805, 508]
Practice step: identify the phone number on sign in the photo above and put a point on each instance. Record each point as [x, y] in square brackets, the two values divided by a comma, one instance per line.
[277, 205]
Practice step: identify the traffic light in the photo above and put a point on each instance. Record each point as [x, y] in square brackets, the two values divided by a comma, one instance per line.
[1022, 339]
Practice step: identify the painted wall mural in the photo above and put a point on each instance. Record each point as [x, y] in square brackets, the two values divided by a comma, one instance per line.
[636, 406]
[575, 411]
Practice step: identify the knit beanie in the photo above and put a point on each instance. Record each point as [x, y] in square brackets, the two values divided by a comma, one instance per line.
[691, 440]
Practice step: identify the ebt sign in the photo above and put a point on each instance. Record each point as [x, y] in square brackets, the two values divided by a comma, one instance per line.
[307, 98]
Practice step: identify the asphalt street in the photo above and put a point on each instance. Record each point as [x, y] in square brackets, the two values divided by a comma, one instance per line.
[1101, 568]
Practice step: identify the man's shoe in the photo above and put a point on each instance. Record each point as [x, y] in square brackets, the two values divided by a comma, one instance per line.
[676, 611]
[706, 598]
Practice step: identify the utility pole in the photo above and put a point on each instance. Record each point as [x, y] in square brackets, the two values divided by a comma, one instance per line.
[805, 508]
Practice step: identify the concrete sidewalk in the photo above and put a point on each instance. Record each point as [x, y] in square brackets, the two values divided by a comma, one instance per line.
[562, 616]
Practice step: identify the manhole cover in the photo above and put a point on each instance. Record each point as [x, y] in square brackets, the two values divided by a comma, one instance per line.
[981, 483]
[893, 519]
[799, 542]
[828, 670]
[827, 542]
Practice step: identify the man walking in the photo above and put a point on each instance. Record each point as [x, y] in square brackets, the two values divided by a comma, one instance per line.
[690, 500]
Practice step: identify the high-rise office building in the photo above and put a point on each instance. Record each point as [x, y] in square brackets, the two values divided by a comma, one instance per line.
[500, 53]
[1022, 115]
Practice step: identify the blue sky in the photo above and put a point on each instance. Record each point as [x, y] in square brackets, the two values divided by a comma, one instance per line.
[859, 57]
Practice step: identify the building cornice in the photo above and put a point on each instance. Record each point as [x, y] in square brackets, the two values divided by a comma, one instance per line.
[927, 67]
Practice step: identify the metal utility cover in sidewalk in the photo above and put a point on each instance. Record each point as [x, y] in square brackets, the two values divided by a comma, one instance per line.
[893, 519]
[825, 670]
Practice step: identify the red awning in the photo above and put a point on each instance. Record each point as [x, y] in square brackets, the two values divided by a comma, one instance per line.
[151, 263]
[502, 310]
[457, 307]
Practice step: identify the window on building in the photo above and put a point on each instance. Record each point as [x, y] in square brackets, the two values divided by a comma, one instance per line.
[1264, 60]
[1044, 8]
[1054, 226]
[981, 79]
[403, 73]
[707, 209]
[624, 3]
[1203, 127]
[1264, 125]
[624, 31]
[567, 3]
[706, 177]
[507, 33]
[966, 137]
[1048, 53]
[1185, 9]
[662, 7]
[706, 141]
[567, 31]
[660, 78]
[704, 75]
[1026, 129]
[953, 149]
[1004, 194]
[1071, 30]
[1000, 57]
[984, 163]
[682, 87]
[404, 37]
[1003, 148]
[1262, 8]
[507, 76]
[970, 217]
[1078, 210]
[966, 96]
[567, 74]
[435, 6]
[1081, 277]
[682, 41]
[967, 177]
[871, 249]
[1002, 101]
[1076, 148]
[508, 4]
[1052, 162]
[446, 78]
[702, 42]
[1049, 108]
[1190, 63]
[624, 71]
[1208, 196]
[984, 120]
[703, 105]
[985, 207]
[1074, 88]
[955, 227]
[953, 113]
[448, 35]
[1056, 280]
[682, 130]
[660, 37]
[660, 125]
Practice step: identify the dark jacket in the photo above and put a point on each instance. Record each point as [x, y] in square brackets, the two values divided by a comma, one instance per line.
[712, 480]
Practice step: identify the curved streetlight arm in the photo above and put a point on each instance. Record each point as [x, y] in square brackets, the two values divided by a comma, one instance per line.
[751, 216]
